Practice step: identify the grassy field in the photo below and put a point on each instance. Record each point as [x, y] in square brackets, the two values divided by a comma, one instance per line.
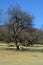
[14, 57]
[20, 58]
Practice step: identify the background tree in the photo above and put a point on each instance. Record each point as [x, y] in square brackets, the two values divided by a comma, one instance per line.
[0, 26]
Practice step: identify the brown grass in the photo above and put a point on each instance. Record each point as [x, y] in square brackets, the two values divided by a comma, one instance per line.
[14, 57]
[20, 58]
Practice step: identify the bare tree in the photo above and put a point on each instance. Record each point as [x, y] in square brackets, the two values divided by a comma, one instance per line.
[18, 20]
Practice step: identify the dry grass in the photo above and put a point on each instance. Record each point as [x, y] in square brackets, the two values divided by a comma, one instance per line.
[20, 58]
[13, 57]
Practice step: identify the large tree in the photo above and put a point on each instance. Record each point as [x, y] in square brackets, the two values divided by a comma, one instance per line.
[18, 21]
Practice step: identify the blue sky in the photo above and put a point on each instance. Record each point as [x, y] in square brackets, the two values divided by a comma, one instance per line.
[33, 6]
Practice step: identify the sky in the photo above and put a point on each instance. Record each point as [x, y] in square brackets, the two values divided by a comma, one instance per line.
[35, 7]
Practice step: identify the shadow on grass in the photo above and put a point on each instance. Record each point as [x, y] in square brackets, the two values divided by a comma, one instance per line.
[33, 50]
[24, 49]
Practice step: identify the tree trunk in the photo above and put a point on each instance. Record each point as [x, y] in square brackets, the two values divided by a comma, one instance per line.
[15, 39]
[17, 47]
[16, 43]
